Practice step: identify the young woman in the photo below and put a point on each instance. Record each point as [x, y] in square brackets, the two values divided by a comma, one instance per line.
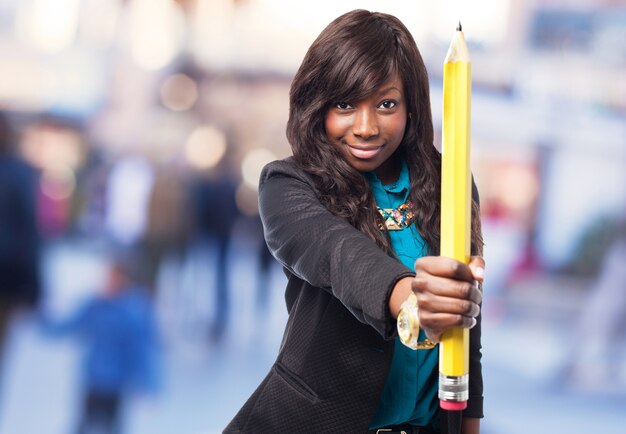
[354, 218]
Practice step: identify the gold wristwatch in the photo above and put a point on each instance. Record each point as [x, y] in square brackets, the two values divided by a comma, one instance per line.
[409, 326]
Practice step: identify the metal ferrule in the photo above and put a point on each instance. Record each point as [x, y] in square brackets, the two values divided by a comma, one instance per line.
[453, 388]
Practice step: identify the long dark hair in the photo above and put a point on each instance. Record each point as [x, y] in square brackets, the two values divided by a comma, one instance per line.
[352, 57]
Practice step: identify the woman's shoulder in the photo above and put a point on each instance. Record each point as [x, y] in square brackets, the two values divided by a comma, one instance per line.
[285, 168]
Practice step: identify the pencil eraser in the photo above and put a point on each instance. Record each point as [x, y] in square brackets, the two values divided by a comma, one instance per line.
[453, 405]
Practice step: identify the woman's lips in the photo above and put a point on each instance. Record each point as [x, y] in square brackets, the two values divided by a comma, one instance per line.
[364, 152]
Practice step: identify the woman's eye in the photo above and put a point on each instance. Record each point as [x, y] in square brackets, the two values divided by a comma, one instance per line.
[342, 105]
[388, 104]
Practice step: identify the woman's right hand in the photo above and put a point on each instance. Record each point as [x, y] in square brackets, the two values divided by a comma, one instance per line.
[448, 293]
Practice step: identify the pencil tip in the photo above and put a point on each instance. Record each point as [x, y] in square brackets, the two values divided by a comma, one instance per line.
[459, 28]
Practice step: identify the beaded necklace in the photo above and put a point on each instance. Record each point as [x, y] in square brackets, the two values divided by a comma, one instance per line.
[398, 218]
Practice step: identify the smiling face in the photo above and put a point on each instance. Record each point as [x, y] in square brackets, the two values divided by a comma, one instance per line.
[370, 130]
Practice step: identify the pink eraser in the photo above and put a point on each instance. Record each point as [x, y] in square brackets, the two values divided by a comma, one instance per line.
[453, 405]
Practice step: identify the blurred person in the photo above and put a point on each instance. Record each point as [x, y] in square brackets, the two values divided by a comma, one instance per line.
[128, 189]
[119, 331]
[265, 263]
[54, 144]
[19, 235]
[216, 213]
[353, 217]
[597, 363]
[167, 220]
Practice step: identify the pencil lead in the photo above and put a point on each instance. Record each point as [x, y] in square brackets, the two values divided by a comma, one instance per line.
[459, 28]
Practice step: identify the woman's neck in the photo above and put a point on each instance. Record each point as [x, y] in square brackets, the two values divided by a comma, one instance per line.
[389, 171]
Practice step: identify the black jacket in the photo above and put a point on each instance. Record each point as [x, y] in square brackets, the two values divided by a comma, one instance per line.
[338, 343]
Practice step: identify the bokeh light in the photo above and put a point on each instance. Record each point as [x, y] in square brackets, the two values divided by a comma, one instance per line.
[49, 25]
[179, 92]
[252, 165]
[58, 183]
[205, 147]
[156, 32]
[247, 200]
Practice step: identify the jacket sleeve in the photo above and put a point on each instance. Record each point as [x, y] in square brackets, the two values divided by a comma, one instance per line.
[327, 252]
[475, 401]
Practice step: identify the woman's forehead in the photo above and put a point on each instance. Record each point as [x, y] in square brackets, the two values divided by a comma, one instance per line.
[375, 87]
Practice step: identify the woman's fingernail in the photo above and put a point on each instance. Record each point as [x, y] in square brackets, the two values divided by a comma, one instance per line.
[480, 272]
[474, 322]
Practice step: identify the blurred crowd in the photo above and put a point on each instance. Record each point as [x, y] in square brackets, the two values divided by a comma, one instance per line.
[138, 216]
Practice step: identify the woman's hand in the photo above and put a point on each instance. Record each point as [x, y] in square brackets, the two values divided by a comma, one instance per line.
[448, 293]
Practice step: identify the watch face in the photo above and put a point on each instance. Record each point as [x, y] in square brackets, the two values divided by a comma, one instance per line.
[404, 326]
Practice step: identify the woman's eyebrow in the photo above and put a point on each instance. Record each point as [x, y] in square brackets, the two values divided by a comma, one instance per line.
[387, 89]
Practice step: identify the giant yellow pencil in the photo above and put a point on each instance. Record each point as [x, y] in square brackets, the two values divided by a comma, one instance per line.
[455, 210]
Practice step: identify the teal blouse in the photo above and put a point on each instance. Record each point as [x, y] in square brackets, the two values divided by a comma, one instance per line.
[410, 394]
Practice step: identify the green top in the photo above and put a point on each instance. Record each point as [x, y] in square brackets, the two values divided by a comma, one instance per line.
[410, 394]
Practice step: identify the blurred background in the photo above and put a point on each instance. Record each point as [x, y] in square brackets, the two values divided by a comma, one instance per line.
[132, 135]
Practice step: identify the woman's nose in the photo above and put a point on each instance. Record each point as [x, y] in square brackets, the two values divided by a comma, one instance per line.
[365, 124]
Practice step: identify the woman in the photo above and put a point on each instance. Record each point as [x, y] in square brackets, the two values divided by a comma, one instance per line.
[361, 133]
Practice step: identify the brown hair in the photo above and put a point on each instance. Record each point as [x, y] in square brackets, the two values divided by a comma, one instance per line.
[353, 56]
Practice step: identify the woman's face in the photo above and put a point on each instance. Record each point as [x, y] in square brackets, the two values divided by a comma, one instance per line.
[369, 131]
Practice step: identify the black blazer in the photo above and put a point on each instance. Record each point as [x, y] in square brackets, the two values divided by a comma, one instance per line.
[338, 343]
